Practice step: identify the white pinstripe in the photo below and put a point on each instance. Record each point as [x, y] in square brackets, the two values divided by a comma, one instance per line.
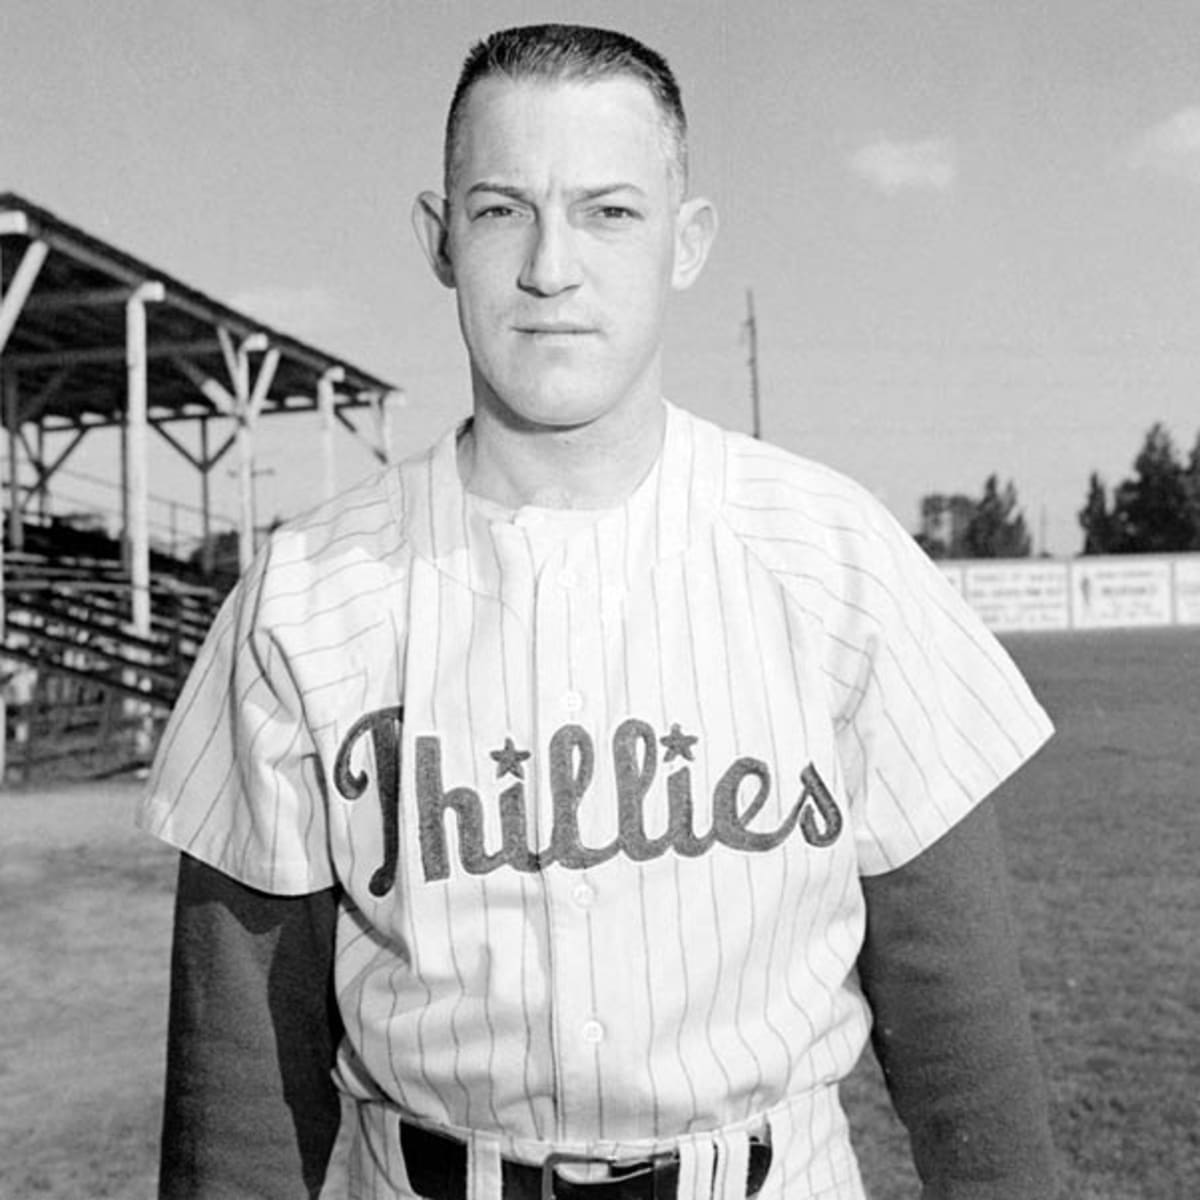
[765, 606]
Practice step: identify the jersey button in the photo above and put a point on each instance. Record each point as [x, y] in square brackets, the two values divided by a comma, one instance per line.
[593, 1032]
[583, 895]
[572, 701]
[567, 579]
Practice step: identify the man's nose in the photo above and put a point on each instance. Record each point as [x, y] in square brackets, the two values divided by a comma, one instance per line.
[552, 263]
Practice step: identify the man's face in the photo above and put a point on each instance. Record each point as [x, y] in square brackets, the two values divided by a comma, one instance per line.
[562, 237]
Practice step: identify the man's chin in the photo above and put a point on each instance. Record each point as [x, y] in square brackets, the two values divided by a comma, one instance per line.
[553, 412]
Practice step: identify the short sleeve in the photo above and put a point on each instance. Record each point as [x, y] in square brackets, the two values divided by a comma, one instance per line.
[235, 782]
[931, 712]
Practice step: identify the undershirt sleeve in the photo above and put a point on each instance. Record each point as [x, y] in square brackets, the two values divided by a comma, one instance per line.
[940, 969]
[250, 1108]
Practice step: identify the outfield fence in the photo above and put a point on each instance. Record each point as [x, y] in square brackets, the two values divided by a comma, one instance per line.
[1092, 592]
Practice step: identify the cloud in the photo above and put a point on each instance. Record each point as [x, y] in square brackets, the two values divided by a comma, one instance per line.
[311, 313]
[1172, 147]
[913, 166]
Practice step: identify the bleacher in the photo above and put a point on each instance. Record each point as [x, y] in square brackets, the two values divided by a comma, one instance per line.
[98, 345]
[88, 696]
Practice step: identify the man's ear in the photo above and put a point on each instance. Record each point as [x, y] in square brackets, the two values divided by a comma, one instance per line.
[430, 220]
[695, 229]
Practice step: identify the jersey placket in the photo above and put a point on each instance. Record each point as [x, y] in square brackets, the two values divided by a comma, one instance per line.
[569, 705]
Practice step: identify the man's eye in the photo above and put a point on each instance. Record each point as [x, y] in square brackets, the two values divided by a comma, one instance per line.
[616, 212]
[495, 212]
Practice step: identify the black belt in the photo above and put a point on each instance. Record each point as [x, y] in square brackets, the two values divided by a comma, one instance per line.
[437, 1170]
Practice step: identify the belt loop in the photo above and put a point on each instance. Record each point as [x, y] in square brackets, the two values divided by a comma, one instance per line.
[733, 1165]
[697, 1162]
[484, 1173]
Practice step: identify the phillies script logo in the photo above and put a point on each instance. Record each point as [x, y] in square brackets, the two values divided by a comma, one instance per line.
[572, 760]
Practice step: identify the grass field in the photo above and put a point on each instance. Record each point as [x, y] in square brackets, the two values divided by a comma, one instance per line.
[1103, 833]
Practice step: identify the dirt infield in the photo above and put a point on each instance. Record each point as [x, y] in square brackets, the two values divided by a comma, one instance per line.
[85, 907]
[1103, 833]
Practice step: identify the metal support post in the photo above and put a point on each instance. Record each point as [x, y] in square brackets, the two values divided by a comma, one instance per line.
[249, 402]
[207, 549]
[245, 449]
[12, 422]
[136, 451]
[326, 395]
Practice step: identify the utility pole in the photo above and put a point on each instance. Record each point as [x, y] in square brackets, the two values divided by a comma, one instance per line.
[752, 336]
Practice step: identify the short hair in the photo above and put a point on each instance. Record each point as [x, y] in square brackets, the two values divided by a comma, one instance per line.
[582, 53]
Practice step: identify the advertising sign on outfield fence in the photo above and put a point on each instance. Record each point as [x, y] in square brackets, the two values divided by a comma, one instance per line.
[1187, 590]
[1020, 595]
[1111, 592]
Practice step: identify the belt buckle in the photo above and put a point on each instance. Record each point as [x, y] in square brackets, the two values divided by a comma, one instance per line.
[557, 1159]
[551, 1162]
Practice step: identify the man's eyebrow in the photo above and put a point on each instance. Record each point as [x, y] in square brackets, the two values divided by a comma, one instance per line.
[499, 189]
[607, 189]
[513, 192]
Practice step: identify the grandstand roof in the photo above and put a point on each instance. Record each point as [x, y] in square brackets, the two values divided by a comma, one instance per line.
[67, 339]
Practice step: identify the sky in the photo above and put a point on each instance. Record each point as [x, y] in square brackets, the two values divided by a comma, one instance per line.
[971, 228]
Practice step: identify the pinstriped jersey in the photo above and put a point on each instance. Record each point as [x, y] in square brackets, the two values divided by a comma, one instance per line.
[598, 789]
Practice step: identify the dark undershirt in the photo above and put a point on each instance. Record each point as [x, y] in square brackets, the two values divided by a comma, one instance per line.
[251, 1111]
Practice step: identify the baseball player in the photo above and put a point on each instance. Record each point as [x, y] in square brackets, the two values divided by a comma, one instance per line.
[572, 803]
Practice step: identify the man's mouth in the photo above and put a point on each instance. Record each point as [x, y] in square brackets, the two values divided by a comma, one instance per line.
[555, 328]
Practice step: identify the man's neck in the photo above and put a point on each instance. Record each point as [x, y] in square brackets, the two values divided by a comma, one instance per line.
[589, 466]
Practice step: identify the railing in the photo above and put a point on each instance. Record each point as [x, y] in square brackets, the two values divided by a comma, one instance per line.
[93, 504]
[86, 692]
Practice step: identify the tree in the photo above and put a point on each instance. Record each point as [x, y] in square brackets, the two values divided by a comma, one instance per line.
[957, 526]
[1151, 511]
[1191, 487]
[997, 527]
[944, 521]
[1100, 533]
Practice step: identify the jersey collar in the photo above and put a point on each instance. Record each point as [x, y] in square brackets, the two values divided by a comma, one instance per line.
[674, 505]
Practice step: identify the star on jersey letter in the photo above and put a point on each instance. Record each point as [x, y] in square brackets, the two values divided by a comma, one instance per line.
[509, 759]
[678, 744]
